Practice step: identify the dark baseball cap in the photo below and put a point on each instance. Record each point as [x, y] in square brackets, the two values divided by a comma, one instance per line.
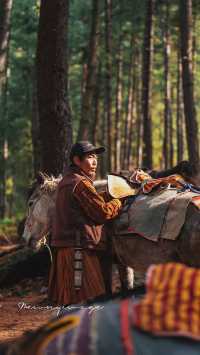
[84, 147]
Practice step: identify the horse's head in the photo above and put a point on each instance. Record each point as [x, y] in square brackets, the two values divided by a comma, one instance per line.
[190, 171]
[41, 207]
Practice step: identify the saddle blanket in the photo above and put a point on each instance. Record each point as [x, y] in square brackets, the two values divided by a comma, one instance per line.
[156, 215]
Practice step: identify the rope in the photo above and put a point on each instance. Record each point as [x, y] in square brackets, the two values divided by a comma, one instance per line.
[44, 242]
[190, 187]
[50, 253]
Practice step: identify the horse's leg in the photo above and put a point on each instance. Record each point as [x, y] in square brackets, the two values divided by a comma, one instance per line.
[189, 238]
[105, 260]
[126, 275]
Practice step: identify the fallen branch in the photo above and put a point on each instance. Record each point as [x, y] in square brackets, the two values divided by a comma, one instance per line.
[6, 249]
[23, 263]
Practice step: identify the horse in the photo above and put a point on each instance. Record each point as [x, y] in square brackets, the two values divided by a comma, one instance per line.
[132, 250]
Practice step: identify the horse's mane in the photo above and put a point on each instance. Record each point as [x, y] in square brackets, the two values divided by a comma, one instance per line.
[45, 183]
[50, 184]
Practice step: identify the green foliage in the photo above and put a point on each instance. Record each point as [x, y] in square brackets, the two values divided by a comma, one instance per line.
[127, 21]
[19, 99]
[8, 229]
[79, 29]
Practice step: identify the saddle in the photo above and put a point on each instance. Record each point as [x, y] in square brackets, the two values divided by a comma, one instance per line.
[154, 208]
[120, 186]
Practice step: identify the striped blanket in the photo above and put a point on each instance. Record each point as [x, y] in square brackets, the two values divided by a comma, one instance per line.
[172, 302]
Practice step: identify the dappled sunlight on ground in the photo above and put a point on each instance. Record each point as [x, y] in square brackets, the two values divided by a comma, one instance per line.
[16, 315]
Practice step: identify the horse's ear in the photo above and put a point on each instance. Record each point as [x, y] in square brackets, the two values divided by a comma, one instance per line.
[40, 177]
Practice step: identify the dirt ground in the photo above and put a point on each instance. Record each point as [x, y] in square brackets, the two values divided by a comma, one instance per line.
[23, 308]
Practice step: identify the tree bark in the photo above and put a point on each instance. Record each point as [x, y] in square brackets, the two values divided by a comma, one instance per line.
[103, 140]
[108, 80]
[167, 95]
[187, 79]
[195, 11]
[96, 120]
[118, 109]
[132, 138]
[146, 84]
[139, 123]
[84, 71]
[5, 15]
[171, 130]
[87, 112]
[52, 80]
[129, 110]
[134, 133]
[179, 112]
[35, 130]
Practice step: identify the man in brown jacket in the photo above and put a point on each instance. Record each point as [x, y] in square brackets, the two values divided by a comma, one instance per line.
[78, 236]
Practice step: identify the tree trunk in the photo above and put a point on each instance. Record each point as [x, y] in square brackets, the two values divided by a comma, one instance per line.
[87, 112]
[108, 80]
[96, 120]
[84, 71]
[171, 131]
[146, 85]
[53, 107]
[195, 11]
[35, 130]
[139, 125]
[129, 111]
[167, 95]
[5, 15]
[180, 112]
[118, 108]
[103, 140]
[134, 134]
[187, 79]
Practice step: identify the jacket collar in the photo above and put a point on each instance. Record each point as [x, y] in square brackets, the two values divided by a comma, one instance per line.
[73, 169]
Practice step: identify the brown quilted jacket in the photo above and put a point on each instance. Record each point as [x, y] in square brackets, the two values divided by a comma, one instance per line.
[81, 211]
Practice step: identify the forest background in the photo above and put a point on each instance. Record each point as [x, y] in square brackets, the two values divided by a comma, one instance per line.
[122, 73]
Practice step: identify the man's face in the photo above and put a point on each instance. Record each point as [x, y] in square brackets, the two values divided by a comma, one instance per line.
[88, 164]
